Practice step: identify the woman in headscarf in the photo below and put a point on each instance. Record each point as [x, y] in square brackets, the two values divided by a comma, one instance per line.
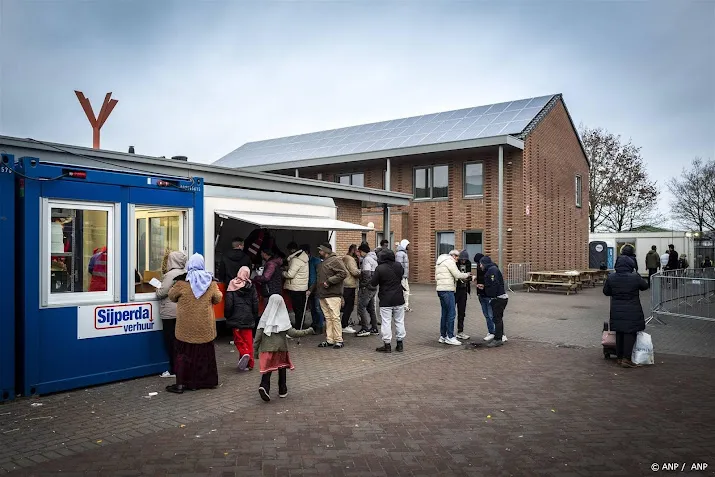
[271, 346]
[175, 266]
[195, 358]
[241, 312]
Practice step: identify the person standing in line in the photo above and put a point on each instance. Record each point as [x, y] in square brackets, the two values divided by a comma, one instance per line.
[366, 297]
[673, 264]
[463, 291]
[384, 244]
[630, 251]
[664, 259]
[296, 281]
[683, 262]
[403, 259]
[350, 288]
[388, 277]
[271, 346]
[652, 262]
[626, 317]
[446, 275]
[270, 282]
[195, 293]
[241, 312]
[316, 313]
[329, 289]
[175, 266]
[707, 263]
[495, 291]
[484, 301]
[232, 261]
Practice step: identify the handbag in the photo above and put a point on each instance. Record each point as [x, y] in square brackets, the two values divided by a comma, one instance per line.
[608, 338]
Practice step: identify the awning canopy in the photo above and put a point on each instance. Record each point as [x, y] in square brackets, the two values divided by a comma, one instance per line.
[291, 222]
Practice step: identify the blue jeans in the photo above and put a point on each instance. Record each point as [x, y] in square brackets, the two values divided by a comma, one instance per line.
[488, 312]
[316, 313]
[446, 324]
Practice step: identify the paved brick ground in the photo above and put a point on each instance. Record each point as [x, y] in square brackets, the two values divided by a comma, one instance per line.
[554, 410]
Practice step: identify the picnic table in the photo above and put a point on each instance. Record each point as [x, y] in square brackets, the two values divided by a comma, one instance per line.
[567, 281]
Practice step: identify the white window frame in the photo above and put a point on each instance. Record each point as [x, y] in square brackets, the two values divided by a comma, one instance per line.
[464, 181]
[114, 266]
[186, 240]
[431, 182]
[578, 185]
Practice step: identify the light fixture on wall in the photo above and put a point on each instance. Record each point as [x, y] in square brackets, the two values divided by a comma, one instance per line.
[371, 225]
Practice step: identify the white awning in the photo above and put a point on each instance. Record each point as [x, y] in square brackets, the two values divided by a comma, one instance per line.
[291, 222]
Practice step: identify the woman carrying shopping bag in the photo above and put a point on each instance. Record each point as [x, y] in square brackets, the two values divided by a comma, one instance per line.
[627, 319]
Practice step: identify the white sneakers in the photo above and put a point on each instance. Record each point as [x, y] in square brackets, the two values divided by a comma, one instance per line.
[490, 337]
[463, 336]
[349, 329]
[453, 341]
[442, 339]
[167, 374]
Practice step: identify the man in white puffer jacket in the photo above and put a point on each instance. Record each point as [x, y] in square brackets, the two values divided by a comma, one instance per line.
[446, 275]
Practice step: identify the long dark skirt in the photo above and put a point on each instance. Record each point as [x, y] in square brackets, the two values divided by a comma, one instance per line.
[195, 365]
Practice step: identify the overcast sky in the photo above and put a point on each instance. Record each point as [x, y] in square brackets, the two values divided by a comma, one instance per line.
[202, 78]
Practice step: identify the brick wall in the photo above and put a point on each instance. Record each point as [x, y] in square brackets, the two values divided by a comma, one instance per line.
[347, 211]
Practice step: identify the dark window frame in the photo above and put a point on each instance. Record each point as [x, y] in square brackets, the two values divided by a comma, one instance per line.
[431, 182]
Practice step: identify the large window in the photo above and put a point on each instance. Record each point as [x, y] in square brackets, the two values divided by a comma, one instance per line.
[474, 179]
[431, 182]
[473, 245]
[80, 254]
[357, 179]
[156, 232]
[579, 190]
[445, 242]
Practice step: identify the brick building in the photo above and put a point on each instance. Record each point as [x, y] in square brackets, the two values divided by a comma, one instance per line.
[461, 167]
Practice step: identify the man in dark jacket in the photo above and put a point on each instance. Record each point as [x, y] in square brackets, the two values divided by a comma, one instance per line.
[673, 264]
[388, 277]
[270, 282]
[495, 291]
[367, 292]
[627, 319]
[464, 289]
[329, 288]
[652, 262]
[232, 261]
[484, 301]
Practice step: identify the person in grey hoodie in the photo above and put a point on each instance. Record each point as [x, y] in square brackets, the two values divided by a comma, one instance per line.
[403, 259]
[367, 292]
[175, 265]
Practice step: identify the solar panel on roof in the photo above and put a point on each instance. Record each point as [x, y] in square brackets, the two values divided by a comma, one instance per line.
[460, 125]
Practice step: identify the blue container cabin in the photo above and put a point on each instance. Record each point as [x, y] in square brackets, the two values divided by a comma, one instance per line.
[7, 291]
[90, 243]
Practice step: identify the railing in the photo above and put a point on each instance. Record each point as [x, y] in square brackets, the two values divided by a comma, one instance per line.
[517, 274]
[686, 293]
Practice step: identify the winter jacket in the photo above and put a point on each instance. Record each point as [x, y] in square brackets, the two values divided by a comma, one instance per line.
[707, 263]
[369, 265]
[313, 265]
[276, 342]
[402, 258]
[683, 264]
[331, 271]
[480, 273]
[446, 273]
[271, 276]
[298, 273]
[464, 266]
[624, 287]
[195, 321]
[241, 307]
[493, 279]
[231, 263]
[351, 281]
[175, 264]
[673, 261]
[652, 260]
[388, 276]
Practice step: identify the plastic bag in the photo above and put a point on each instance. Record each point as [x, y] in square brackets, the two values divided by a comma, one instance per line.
[643, 350]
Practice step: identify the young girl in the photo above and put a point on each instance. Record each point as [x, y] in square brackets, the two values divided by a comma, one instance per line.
[271, 346]
[241, 312]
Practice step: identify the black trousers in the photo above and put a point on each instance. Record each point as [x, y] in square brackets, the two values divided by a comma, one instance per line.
[461, 297]
[624, 344]
[298, 298]
[651, 272]
[498, 307]
[169, 332]
[349, 307]
[282, 383]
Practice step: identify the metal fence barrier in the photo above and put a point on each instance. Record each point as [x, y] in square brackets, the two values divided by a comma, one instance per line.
[688, 293]
[517, 274]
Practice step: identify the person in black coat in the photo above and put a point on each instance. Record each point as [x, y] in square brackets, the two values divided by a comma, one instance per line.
[388, 277]
[232, 261]
[484, 301]
[241, 313]
[627, 319]
[464, 289]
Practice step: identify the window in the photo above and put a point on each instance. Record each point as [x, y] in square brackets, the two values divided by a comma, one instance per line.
[431, 182]
[80, 255]
[156, 232]
[579, 191]
[363, 237]
[474, 180]
[473, 245]
[445, 242]
[357, 179]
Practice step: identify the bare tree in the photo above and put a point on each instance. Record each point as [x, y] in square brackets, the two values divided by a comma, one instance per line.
[693, 205]
[621, 194]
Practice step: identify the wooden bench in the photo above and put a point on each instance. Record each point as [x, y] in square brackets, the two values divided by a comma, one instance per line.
[539, 285]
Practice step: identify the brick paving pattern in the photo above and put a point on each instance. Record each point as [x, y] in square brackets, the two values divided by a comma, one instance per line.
[555, 406]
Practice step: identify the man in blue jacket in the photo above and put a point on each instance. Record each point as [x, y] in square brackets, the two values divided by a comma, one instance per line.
[495, 291]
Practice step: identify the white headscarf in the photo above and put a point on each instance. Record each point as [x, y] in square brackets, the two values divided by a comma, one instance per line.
[275, 317]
